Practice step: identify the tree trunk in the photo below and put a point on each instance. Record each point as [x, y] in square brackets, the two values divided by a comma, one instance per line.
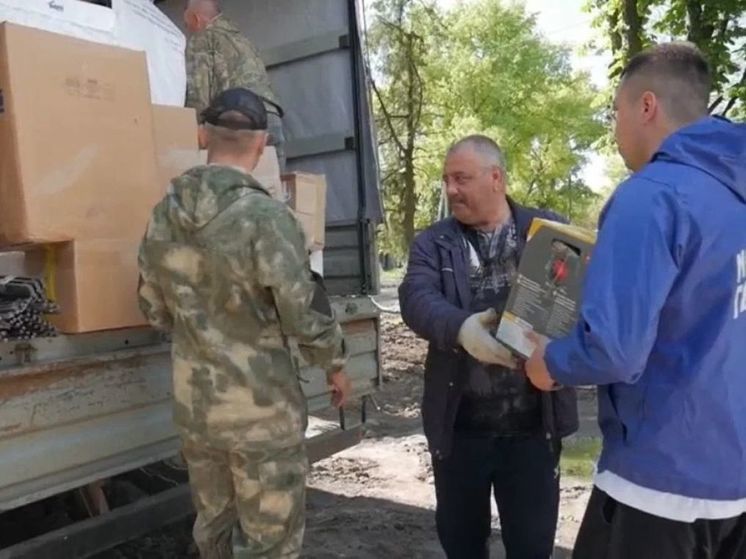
[410, 185]
[633, 23]
[410, 200]
[612, 20]
[694, 15]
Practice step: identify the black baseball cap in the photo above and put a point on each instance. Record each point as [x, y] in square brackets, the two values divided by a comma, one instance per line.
[240, 100]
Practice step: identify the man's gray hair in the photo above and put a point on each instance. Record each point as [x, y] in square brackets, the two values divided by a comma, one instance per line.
[679, 75]
[484, 146]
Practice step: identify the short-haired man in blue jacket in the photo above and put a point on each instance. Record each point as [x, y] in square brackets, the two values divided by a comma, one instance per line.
[488, 429]
[663, 325]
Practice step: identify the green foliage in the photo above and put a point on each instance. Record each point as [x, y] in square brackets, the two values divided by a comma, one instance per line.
[579, 457]
[399, 42]
[483, 68]
[717, 27]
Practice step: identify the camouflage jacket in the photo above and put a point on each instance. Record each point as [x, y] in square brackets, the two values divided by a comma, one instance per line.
[220, 58]
[224, 268]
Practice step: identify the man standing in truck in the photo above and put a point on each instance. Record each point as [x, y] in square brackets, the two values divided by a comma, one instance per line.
[220, 57]
[224, 269]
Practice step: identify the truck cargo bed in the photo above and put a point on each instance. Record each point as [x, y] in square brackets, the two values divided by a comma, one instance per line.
[81, 408]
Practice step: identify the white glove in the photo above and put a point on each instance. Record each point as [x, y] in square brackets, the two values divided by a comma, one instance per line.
[476, 339]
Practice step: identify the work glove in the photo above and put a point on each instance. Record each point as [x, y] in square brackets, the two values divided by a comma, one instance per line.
[475, 337]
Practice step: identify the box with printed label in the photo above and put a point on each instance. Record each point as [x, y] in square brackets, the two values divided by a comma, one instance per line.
[545, 297]
[77, 153]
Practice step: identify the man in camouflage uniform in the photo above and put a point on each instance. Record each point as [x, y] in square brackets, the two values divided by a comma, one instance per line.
[220, 57]
[225, 270]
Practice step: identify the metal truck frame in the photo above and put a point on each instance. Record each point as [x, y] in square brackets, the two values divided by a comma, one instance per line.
[75, 410]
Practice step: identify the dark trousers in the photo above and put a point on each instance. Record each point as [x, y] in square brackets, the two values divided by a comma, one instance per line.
[611, 530]
[524, 477]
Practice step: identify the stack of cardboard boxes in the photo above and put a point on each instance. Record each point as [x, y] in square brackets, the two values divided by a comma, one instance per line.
[84, 157]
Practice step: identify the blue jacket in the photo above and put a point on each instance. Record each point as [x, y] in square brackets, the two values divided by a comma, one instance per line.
[663, 319]
[435, 298]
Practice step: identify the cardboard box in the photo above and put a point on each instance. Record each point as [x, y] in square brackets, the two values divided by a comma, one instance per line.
[94, 282]
[96, 286]
[176, 142]
[306, 196]
[77, 154]
[545, 298]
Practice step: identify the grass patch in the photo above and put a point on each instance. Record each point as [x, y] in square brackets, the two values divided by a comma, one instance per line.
[393, 276]
[579, 457]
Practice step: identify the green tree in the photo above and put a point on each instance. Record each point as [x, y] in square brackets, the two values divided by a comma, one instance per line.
[499, 76]
[717, 27]
[481, 67]
[398, 42]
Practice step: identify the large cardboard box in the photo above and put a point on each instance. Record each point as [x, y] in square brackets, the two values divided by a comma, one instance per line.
[77, 154]
[306, 196]
[96, 285]
[93, 282]
[176, 142]
[545, 298]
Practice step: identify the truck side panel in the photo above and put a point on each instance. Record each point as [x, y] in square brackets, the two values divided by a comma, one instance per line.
[313, 52]
[75, 413]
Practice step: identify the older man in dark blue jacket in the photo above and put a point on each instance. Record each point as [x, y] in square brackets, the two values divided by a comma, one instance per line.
[487, 427]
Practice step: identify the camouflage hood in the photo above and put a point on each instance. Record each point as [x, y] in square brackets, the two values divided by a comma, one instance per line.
[202, 193]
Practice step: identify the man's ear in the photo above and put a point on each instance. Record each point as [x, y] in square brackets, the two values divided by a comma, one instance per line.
[649, 105]
[498, 178]
[202, 136]
[262, 143]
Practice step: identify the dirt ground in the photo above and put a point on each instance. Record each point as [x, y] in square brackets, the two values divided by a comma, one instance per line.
[376, 499]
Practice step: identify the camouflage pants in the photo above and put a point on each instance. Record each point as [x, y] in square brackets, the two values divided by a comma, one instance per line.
[250, 505]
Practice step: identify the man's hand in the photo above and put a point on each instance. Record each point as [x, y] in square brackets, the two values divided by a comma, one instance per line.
[536, 367]
[476, 339]
[341, 388]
